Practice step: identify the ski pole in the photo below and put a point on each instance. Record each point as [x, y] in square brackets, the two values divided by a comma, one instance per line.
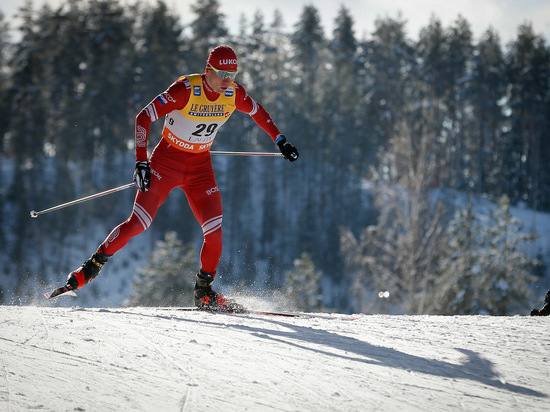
[84, 199]
[244, 153]
[35, 214]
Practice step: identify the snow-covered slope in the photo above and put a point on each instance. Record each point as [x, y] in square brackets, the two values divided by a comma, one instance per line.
[143, 359]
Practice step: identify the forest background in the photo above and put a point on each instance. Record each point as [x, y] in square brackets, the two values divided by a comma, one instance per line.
[413, 154]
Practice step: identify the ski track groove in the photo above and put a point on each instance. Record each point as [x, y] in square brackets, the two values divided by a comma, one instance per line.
[518, 403]
[8, 386]
[82, 359]
[185, 400]
[298, 378]
[275, 377]
[221, 323]
[46, 328]
[321, 399]
[106, 362]
[49, 339]
[171, 361]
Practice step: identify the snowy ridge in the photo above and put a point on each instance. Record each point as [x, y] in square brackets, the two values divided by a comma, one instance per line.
[146, 359]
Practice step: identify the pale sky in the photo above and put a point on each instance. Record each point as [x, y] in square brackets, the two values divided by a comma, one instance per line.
[504, 15]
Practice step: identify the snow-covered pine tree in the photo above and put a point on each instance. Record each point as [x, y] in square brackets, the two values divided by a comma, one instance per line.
[508, 268]
[167, 279]
[484, 271]
[303, 285]
[452, 291]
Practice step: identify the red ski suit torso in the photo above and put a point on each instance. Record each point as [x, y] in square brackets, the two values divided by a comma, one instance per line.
[195, 112]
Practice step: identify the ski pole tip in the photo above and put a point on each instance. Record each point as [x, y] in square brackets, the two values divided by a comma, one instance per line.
[34, 214]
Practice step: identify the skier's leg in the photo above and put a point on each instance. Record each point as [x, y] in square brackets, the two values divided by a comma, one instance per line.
[144, 210]
[206, 204]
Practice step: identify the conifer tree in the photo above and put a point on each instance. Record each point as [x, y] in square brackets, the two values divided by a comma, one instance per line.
[27, 95]
[432, 88]
[308, 51]
[453, 288]
[208, 29]
[484, 271]
[302, 286]
[529, 101]
[390, 63]
[458, 57]
[160, 54]
[308, 48]
[5, 46]
[488, 88]
[168, 277]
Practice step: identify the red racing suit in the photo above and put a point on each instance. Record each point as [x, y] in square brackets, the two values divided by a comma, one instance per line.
[194, 113]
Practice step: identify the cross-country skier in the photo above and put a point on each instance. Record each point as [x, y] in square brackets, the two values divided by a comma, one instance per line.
[195, 106]
[545, 310]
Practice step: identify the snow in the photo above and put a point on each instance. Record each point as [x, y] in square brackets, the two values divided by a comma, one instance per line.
[155, 359]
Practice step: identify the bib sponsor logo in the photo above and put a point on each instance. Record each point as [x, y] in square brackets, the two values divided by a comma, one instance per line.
[207, 110]
[196, 90]
[229, 92]
[187, 146]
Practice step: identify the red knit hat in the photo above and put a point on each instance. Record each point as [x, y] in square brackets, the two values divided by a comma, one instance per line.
[223, 58]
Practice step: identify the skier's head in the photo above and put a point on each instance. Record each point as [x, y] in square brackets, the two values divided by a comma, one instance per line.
[221, 68]
[223, 61]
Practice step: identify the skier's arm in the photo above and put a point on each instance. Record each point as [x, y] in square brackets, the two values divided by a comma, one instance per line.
[247, 104]
[174, 98]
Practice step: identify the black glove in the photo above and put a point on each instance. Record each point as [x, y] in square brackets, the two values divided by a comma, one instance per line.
[289, 152]
[142, 176]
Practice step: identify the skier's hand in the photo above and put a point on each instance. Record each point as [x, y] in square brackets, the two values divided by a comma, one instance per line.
[142, 176]
[289, 152]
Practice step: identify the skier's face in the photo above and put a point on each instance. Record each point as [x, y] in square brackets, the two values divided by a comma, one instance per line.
[216, 83]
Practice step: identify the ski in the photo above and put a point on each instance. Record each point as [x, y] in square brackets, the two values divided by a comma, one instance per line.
[62, 291]
[261, 312]
[227, 311]
[300, 315]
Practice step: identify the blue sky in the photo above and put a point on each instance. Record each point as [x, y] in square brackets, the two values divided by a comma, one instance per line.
[504, 15]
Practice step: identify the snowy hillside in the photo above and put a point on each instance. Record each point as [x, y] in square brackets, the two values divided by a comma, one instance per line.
[122, 359]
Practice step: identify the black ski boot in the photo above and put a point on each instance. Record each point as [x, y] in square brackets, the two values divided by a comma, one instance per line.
[545, 311]
[208, 299]
[87, 272]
